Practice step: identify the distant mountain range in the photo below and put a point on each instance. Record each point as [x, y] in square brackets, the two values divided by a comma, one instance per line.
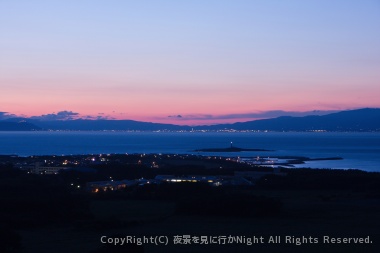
[354, 120]
[18, 126]
[366, 119]
[85, 125]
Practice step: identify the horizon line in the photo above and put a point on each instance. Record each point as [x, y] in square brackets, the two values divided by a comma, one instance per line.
[181, 120]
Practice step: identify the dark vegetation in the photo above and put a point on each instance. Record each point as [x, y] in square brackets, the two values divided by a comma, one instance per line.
[130, 248]
[226, 204]
[31, 202]
[323, 179]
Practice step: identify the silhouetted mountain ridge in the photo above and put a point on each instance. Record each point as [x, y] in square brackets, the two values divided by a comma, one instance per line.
[367, 119]
[17, 126]
[100, 125]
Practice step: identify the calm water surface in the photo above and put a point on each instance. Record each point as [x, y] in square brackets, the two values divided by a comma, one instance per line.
[358, 150]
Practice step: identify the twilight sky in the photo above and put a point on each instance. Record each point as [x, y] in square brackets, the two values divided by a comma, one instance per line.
[208, 61]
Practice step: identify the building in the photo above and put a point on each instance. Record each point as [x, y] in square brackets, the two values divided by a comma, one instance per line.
[110, 185]
[38, 169]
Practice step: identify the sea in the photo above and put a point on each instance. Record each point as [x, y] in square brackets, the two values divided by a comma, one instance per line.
[358, 150]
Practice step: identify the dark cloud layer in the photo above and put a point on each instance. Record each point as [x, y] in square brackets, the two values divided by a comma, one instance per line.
[6, 115]
[70, 115]
[62, 115]
[256, 115]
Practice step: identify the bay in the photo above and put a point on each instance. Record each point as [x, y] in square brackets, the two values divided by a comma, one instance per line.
[358, 150]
